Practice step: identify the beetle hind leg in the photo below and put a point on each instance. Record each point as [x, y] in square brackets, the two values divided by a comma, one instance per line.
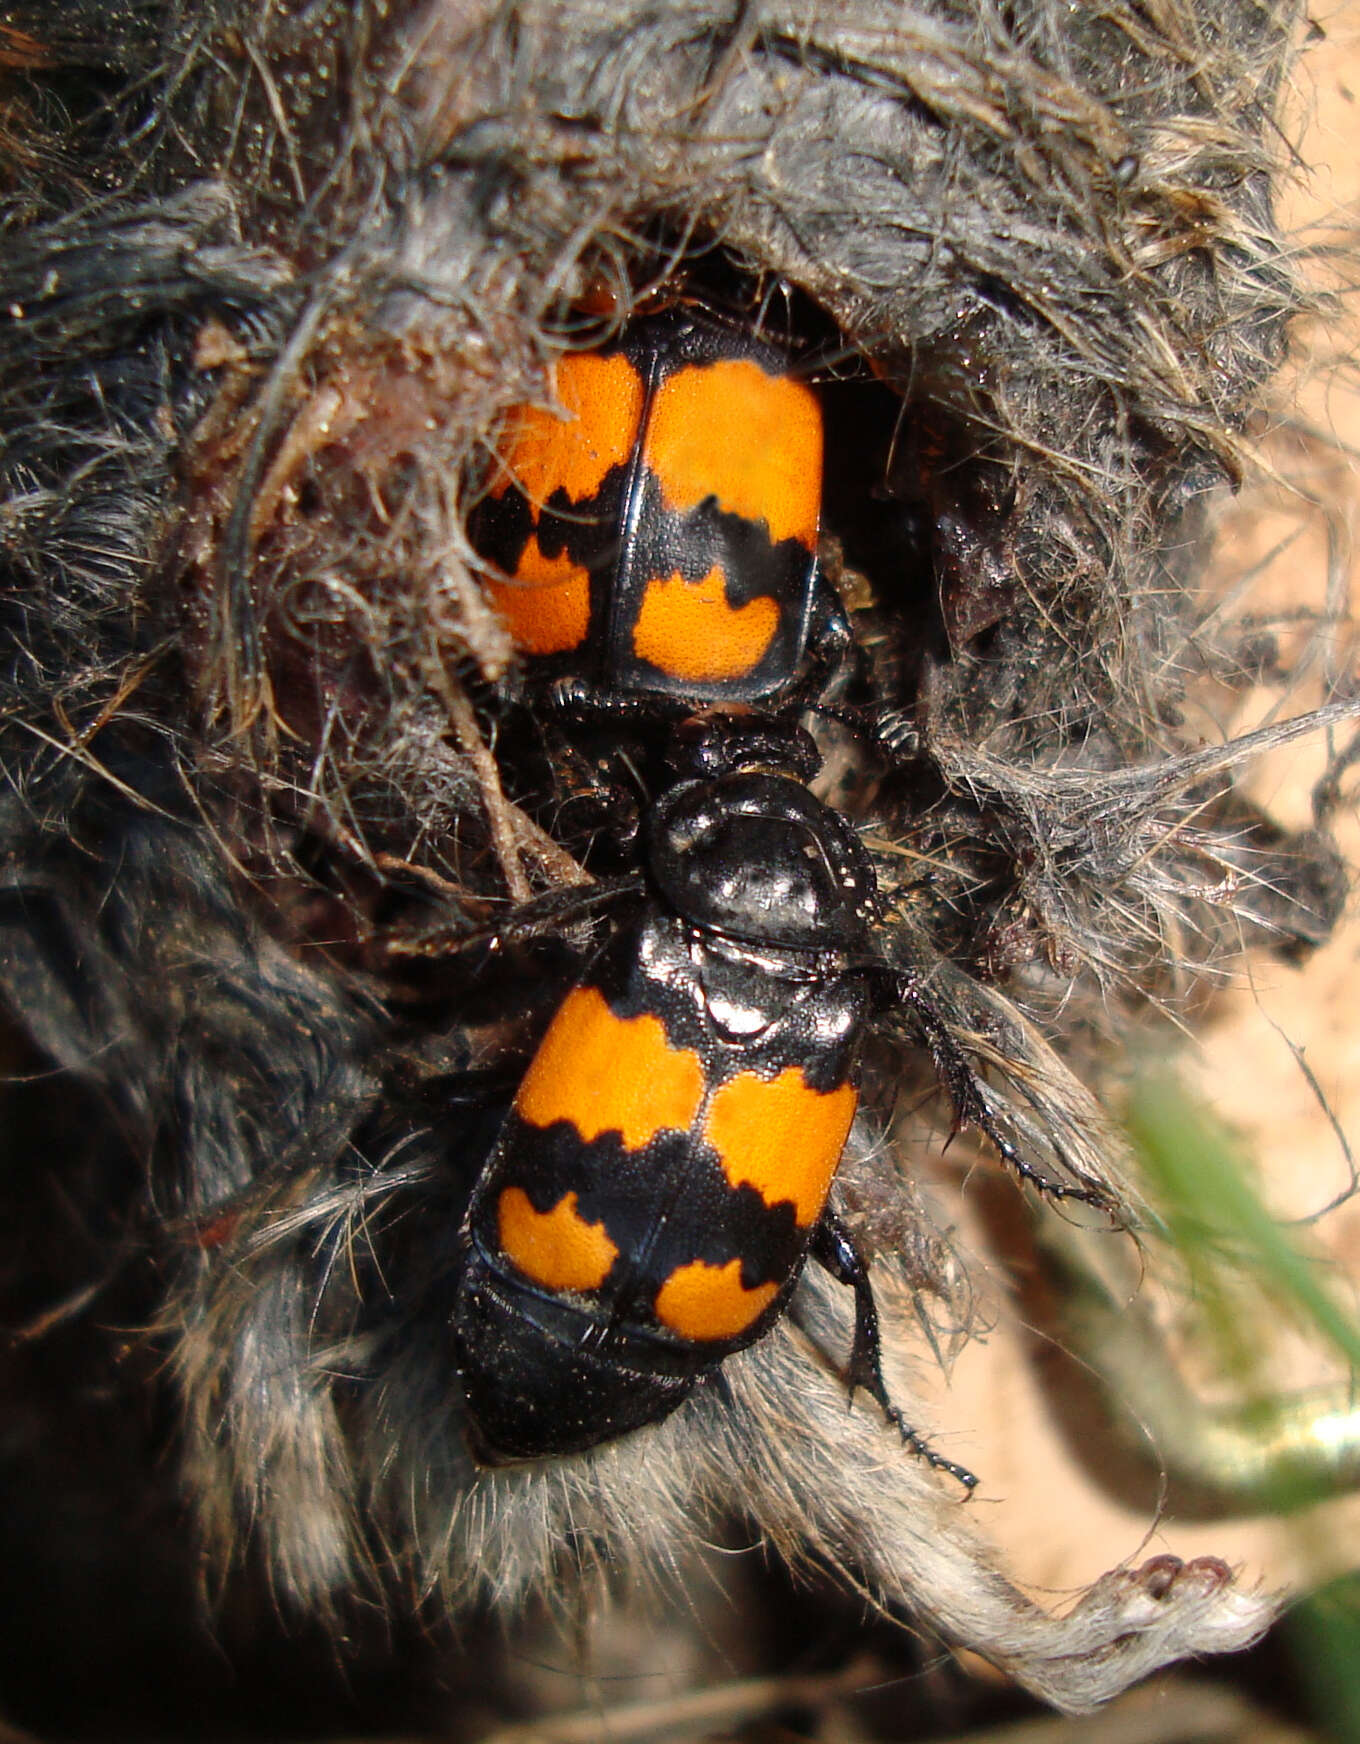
[833, 1247]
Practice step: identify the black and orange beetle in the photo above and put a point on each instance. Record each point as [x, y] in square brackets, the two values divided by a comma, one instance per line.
[666, 1164]
[660, 536]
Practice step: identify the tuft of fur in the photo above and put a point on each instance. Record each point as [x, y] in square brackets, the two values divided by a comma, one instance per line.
[270, 278]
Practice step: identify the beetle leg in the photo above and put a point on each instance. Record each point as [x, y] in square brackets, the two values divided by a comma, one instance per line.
[833, 655]
[974, 1105]
[542, 916]
[587, 704]
[833, 1247]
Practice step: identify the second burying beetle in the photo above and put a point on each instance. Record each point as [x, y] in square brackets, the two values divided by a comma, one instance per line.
[658, 537]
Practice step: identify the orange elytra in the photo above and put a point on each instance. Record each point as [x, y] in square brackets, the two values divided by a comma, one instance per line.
[781, 1137]
[555, 1248]
[752, 441]
[689, 631]
[605, 1073]
[708, 1303]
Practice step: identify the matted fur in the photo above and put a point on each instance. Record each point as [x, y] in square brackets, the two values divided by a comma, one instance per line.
[271, 278]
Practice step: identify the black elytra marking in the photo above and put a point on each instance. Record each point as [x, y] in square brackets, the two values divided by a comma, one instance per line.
[664, 1206]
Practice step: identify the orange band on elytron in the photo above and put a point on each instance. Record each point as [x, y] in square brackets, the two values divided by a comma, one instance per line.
[688, 630]
[780, 1137]
[710, 1302]
[546, 606]
[753, 441]
[602, 397]
[556, 1248]
[610, 1074]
